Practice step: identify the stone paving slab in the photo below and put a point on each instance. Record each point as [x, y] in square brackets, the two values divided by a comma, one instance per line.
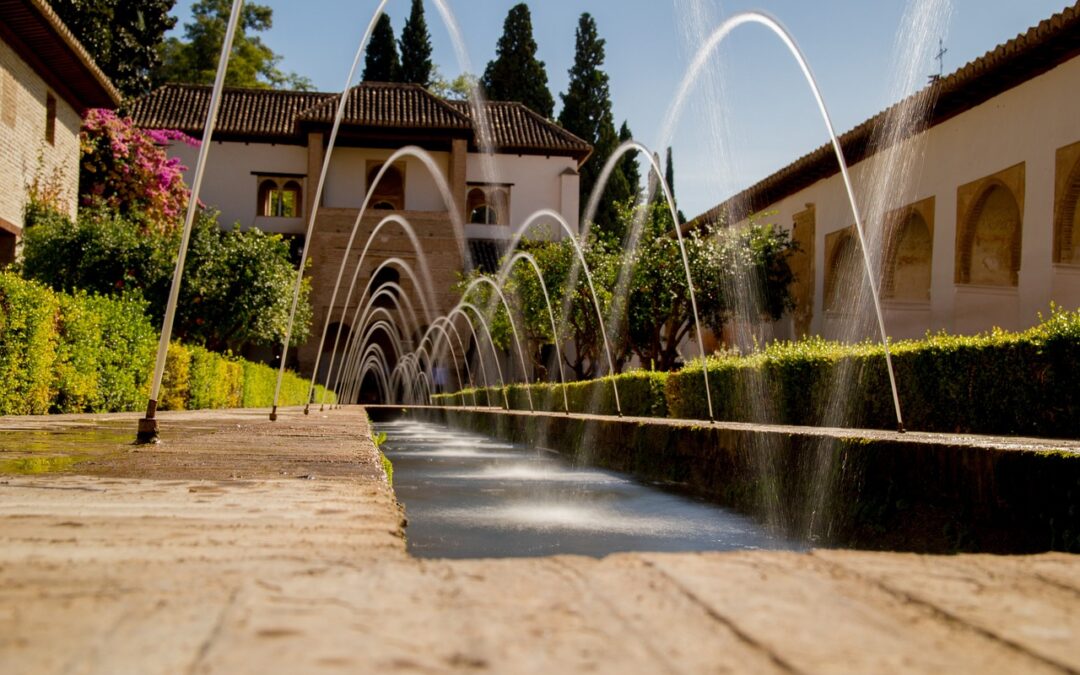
[244, 546]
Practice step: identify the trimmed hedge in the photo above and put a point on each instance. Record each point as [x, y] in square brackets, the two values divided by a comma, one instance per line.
[641, 394]
[994, 383]
[67, 353]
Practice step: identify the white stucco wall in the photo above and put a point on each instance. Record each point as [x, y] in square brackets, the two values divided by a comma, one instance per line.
[24, 153]
[230, 183]
[537, 182]
[347, 185]
[1025, 124]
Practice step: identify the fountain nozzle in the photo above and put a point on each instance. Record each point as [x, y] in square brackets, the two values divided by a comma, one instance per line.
[273, 414]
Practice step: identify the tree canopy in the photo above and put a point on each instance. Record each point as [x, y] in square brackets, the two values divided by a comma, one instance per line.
[123, 36]
[416, 65]
[516, 74]
[381, 62]
[253, 64]
[587, 113]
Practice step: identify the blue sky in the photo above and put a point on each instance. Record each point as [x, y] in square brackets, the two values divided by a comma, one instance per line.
[752, 112]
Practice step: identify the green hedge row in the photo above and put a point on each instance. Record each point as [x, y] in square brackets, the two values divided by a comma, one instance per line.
[65, 353]
[999, 382]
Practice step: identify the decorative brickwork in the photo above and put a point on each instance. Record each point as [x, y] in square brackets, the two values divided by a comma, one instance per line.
[802, 264]
[841, 247]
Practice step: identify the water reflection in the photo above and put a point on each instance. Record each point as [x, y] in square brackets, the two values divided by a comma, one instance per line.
[469, 496]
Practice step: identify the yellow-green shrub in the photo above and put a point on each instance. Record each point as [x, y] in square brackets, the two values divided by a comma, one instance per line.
[176, 380]
[28, 343]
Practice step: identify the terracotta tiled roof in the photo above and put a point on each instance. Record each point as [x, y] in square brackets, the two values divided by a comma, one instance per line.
[244, 112]
[516, 128]
[38, 35]
[379, 104]
[1028, 55]
[280, 116]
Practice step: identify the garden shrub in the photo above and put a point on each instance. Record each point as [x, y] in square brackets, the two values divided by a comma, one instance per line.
[28, 342]
[81, 352]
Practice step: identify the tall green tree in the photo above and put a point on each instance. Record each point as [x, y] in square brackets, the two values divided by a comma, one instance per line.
[516, 74]
[669, 178]
[252, 64]
[381, 63]
[415, 43]
[587, 113]
[123, 36]
[629, 163]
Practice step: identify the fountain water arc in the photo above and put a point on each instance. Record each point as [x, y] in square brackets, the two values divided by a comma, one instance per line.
[320, 186]
[425, 273]
[442, 322]
[435, 350]
[455, 219]
[376, 317]
[148, 429]
[458, 311]
[503, 274]
[405, 267]
[675, 110]
[669, 198]
[572, 236]
[491, 341]
[513, 327]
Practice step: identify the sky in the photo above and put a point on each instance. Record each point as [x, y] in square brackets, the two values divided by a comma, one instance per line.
[749, 114]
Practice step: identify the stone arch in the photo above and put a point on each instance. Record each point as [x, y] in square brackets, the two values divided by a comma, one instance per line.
[908, 266]
[841, 256]
[1067, 220]
[389, 194]
[990, 247]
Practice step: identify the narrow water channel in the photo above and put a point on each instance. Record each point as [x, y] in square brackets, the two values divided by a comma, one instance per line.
[468, 496]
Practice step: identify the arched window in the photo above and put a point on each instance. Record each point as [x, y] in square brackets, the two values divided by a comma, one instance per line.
[838, 270]
[1067, 221]
[389, 194]
[279, 198]
[386, 275]
[990, 250]
[907, 271]
[488, 206]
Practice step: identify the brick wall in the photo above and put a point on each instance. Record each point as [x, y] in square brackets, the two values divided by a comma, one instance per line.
[331, 235]
[24, 152]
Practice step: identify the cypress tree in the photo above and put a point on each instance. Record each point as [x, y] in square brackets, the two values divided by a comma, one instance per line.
[587, 113]
[629, 163]
[516, 74]
[415, 46]
[381, 62]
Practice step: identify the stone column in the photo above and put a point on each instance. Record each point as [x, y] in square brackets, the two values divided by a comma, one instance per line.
[456, 175]
[316, 156]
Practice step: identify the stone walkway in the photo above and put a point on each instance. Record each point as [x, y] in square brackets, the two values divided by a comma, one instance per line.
[244, 546]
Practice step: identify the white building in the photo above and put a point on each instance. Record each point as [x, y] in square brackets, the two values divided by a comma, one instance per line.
[47, 80]
[269, 148]
[986, 233]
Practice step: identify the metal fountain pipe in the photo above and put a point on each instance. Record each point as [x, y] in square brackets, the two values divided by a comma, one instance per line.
[674, 111]
[148, 427]
[318, 200]
[455, 220]
[557, 217]
[510, 315]
[503, 274]
[590, 210]
[425, 273]
[407, 269]
[491, 342]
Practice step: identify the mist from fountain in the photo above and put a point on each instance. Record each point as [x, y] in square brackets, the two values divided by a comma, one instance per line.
[473, 285]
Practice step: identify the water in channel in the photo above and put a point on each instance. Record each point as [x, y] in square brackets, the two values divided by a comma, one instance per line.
[469, 496]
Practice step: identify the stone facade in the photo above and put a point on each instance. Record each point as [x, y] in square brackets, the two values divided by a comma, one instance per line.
[26, 155]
